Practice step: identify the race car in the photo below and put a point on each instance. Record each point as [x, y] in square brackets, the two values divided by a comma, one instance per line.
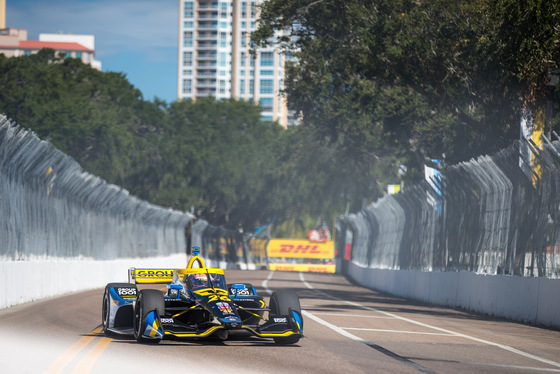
[197, 303]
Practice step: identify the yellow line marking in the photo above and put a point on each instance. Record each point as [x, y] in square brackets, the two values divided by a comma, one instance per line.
[60, 363]
[86, 364]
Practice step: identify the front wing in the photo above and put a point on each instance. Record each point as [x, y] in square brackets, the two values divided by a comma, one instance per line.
[278, 326]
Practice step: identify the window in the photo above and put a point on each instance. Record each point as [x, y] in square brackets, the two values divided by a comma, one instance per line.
[188, 24]
[187, 72]
[79, 55]
[266, 104]
[266, 118]
[223, 39]
[223, 11]
[242, 86]
[188, 39]
[223, 25]
[242, 59]
[243, 39]
[187, 86]
[267, 72]
[267, 86]
[187, 58]
[251, 86]
[188, 12]
[267, 58]
[253, 9]
[222, 86]
[223, 60]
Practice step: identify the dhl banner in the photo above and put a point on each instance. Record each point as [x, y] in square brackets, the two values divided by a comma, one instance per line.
[303, 267]
[289, 248]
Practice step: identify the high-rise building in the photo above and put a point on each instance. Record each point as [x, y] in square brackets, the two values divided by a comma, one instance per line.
[215, 60]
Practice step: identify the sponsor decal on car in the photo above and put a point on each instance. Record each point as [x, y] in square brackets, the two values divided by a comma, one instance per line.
[153, 273]
[280, 320]
[224, 307]
[239, 292]
[126, 291]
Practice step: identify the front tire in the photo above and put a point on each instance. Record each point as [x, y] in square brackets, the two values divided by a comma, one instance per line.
[147, 301]
[106, 305]
[281, 302]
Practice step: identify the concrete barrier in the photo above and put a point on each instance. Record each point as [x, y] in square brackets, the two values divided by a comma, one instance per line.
[521, 299]
[25, 281]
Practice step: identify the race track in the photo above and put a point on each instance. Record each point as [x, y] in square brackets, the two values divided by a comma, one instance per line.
[348, 329]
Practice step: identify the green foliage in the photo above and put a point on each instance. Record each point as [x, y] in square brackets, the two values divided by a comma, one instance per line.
[85, 113]
[415, 79]
[215, 157]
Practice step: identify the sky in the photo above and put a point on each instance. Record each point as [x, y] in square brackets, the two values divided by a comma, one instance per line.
[134, 37]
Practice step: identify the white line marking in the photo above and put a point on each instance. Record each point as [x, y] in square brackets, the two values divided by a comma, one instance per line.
[265, 282]
[333, 327]
[338, 329]
[396, 331]
[347, 315]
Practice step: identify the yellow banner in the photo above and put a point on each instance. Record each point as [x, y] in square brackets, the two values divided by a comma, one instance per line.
[538, 130]
[302, 267]
[289, 248]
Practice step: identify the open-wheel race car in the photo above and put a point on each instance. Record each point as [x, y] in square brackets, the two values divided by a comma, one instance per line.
[197, 303]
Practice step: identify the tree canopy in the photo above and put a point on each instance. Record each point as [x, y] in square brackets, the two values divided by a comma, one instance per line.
[217, 158]
[421, 79]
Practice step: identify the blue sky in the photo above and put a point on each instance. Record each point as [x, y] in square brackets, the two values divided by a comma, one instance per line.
[135, 37]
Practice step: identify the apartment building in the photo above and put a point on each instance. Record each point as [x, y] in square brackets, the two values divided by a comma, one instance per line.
[214, 58]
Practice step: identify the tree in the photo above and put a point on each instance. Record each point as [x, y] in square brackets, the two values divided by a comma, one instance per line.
[428, 77]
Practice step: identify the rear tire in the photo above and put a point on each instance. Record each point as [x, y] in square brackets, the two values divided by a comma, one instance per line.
[280, 304]
[146, 302]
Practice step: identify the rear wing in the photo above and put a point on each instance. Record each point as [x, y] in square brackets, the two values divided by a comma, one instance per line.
[150, 276]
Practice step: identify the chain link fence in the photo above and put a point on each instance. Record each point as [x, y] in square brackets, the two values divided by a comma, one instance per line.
[487, 216]
[51, 208]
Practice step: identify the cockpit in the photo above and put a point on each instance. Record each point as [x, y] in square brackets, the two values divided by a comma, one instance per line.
[198, 281]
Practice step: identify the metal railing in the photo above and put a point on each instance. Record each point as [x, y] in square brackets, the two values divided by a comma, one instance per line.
[486, 216]
[50, 207]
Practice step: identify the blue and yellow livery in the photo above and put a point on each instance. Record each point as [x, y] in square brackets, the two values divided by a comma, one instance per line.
[197, 303]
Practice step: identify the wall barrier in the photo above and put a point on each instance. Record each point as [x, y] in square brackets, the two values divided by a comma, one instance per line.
[522, 299]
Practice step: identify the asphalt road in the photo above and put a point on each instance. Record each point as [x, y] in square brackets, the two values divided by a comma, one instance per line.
[348, 329]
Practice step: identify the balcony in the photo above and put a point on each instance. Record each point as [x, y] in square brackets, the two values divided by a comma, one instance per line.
[206, 84]
[206, 65]
[207, 36]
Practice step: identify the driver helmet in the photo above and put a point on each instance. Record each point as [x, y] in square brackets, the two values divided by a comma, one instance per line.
[200, 280]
